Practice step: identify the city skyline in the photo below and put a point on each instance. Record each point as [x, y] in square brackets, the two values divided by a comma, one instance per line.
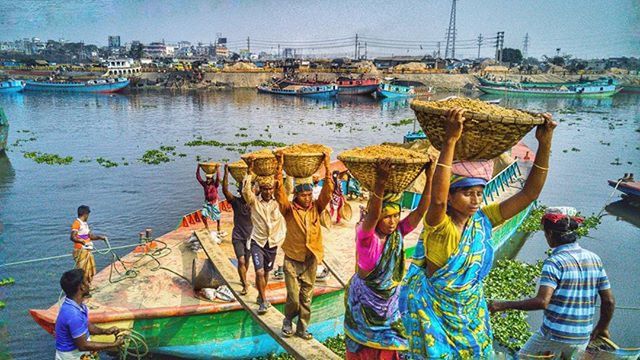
[401, 28]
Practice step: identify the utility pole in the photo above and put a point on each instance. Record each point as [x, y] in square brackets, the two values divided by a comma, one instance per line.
[557, 51]
[451, 32]
[248, 45]
[499, 45]
[525, 46]
[278, 51]
[365, 50]
[479, 44]
[355, 50]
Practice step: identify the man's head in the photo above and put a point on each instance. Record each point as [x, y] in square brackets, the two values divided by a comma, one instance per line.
[390, 214]
[559, 225]
[303, 193]
[209, 178]
[73, 282]
[83, 212]
[267, 187]
[316, 179]
[466, 194]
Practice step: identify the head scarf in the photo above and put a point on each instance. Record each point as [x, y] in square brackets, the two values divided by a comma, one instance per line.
[470, 173]
[459, 181]
[304, 184]
[391, 204]
[209, 176]
[563, 221]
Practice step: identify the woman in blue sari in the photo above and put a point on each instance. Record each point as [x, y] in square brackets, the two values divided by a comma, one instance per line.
[441, 300]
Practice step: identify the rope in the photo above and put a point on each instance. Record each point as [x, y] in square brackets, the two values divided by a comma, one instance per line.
[110, 249]
[609, 199]
[134, 345]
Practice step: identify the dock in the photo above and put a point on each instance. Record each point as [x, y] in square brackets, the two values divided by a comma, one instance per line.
[271, 322]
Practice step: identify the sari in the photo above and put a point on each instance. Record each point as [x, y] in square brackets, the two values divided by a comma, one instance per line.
[446, 315]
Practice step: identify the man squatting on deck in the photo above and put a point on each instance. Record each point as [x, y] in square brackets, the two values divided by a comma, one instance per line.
[302, 245]
[242, 227]
[268, 230]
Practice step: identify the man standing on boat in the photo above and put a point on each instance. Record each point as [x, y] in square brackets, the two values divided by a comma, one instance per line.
[210, 209]
[268, 230]
[82, 238]
[572, 278]
[242, 228]
[302, 246]
[72, 324]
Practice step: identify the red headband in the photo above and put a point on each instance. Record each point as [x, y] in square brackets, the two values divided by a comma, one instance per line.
[554, 218]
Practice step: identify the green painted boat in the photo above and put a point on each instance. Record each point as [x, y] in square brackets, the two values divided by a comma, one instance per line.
[4, 131]
[547, 85]
[163, 307]
[571, 92]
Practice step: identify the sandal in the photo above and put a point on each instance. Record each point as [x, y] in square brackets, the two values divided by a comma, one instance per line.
[287, 329]
[243, 291]
[304, 335]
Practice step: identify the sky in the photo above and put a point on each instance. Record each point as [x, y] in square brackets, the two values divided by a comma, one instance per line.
[582, 28]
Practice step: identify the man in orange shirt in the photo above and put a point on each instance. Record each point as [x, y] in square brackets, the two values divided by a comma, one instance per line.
[82, 238]
[302, 246]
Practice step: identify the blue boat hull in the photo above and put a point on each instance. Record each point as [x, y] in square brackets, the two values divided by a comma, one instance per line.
[322, 95]
[317, 95]
[12, 86]
[76, 87]
[391, 94]
[4, 131]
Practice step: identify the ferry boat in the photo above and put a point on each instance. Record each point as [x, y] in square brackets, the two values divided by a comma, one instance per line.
[348, 86]
[163, 307]
[4, 131]
[597, 91]
[92, 86]
[309, 90]
[11, 86]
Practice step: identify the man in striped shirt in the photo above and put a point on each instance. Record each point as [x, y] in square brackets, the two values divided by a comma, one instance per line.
[572, 278]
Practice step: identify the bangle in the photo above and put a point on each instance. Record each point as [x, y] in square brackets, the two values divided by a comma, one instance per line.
[445, 165]
[376, 195]
[540, 167]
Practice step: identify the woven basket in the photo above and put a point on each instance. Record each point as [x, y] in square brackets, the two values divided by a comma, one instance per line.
[209, 167]
[325, 219]
[302, 165]
[346, 212]
[404, 173]
[263, 165]
[238, 171]
[483, 137]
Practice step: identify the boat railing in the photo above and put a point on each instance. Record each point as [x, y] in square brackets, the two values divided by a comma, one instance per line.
[501, 182]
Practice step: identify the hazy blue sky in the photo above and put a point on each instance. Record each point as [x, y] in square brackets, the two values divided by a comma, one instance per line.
[584, 28]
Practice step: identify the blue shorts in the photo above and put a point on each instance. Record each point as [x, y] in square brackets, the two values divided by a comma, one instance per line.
[211, 211]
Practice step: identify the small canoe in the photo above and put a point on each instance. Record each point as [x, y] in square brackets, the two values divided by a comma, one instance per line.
[11, 86]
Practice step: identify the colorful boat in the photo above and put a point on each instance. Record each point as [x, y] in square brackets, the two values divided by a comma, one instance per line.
[391, 90]
[162, 306]
[547, 85]
[4, 131]
[603, 91]
[348, 86]
[11, 86]
[93, 86]
[315, 91]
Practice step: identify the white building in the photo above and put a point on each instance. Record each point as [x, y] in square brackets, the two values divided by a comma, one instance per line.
[122, 67]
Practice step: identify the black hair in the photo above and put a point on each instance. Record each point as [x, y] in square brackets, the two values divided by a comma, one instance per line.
[562, 231]
[83, 210]
[70, 282]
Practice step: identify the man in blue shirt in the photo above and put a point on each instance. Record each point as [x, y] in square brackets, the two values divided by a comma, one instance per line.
[72, 324]
[572, 278]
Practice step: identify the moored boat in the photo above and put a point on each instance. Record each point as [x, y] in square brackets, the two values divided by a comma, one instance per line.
[96, 85]
[391, 90]
[348, 86]
[631, 89]
[11, 86]
[4, 131]
[316, 91]
[627, 185]
[547, 85]
[163, 307]
[572, 91]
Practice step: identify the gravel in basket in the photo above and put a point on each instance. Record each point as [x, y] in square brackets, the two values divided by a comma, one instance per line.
[489, 130]
[264, 163]
[238, 170]
[303, 160]
[361, 162]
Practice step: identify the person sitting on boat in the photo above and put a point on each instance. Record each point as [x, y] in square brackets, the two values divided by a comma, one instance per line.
[372, 323]
[441, 300]
[242, 227]
[337, 198]
[73, 328]
[572, 277]
[211, 209]
[82, 238]
[268, 231]
[302, 246]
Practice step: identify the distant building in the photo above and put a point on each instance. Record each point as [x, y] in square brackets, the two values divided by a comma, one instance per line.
[158, 50]
[122, 67]
[222, 51]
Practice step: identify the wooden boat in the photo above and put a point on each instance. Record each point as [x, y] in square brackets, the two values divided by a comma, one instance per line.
[4, 131]
[547, 85]
[391, 90]
[571, 92]
[631, 89]
[94, 86]
[162, 305]
[11, 86]
[315, 91]
[348, 86]
[628, 186]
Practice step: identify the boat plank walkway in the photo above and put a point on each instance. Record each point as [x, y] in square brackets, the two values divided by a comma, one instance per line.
[271, 322]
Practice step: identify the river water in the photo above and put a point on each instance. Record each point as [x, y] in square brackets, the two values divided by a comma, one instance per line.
[38, 201]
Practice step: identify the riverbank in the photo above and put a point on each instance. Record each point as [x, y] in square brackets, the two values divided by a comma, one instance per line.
[440, 82]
